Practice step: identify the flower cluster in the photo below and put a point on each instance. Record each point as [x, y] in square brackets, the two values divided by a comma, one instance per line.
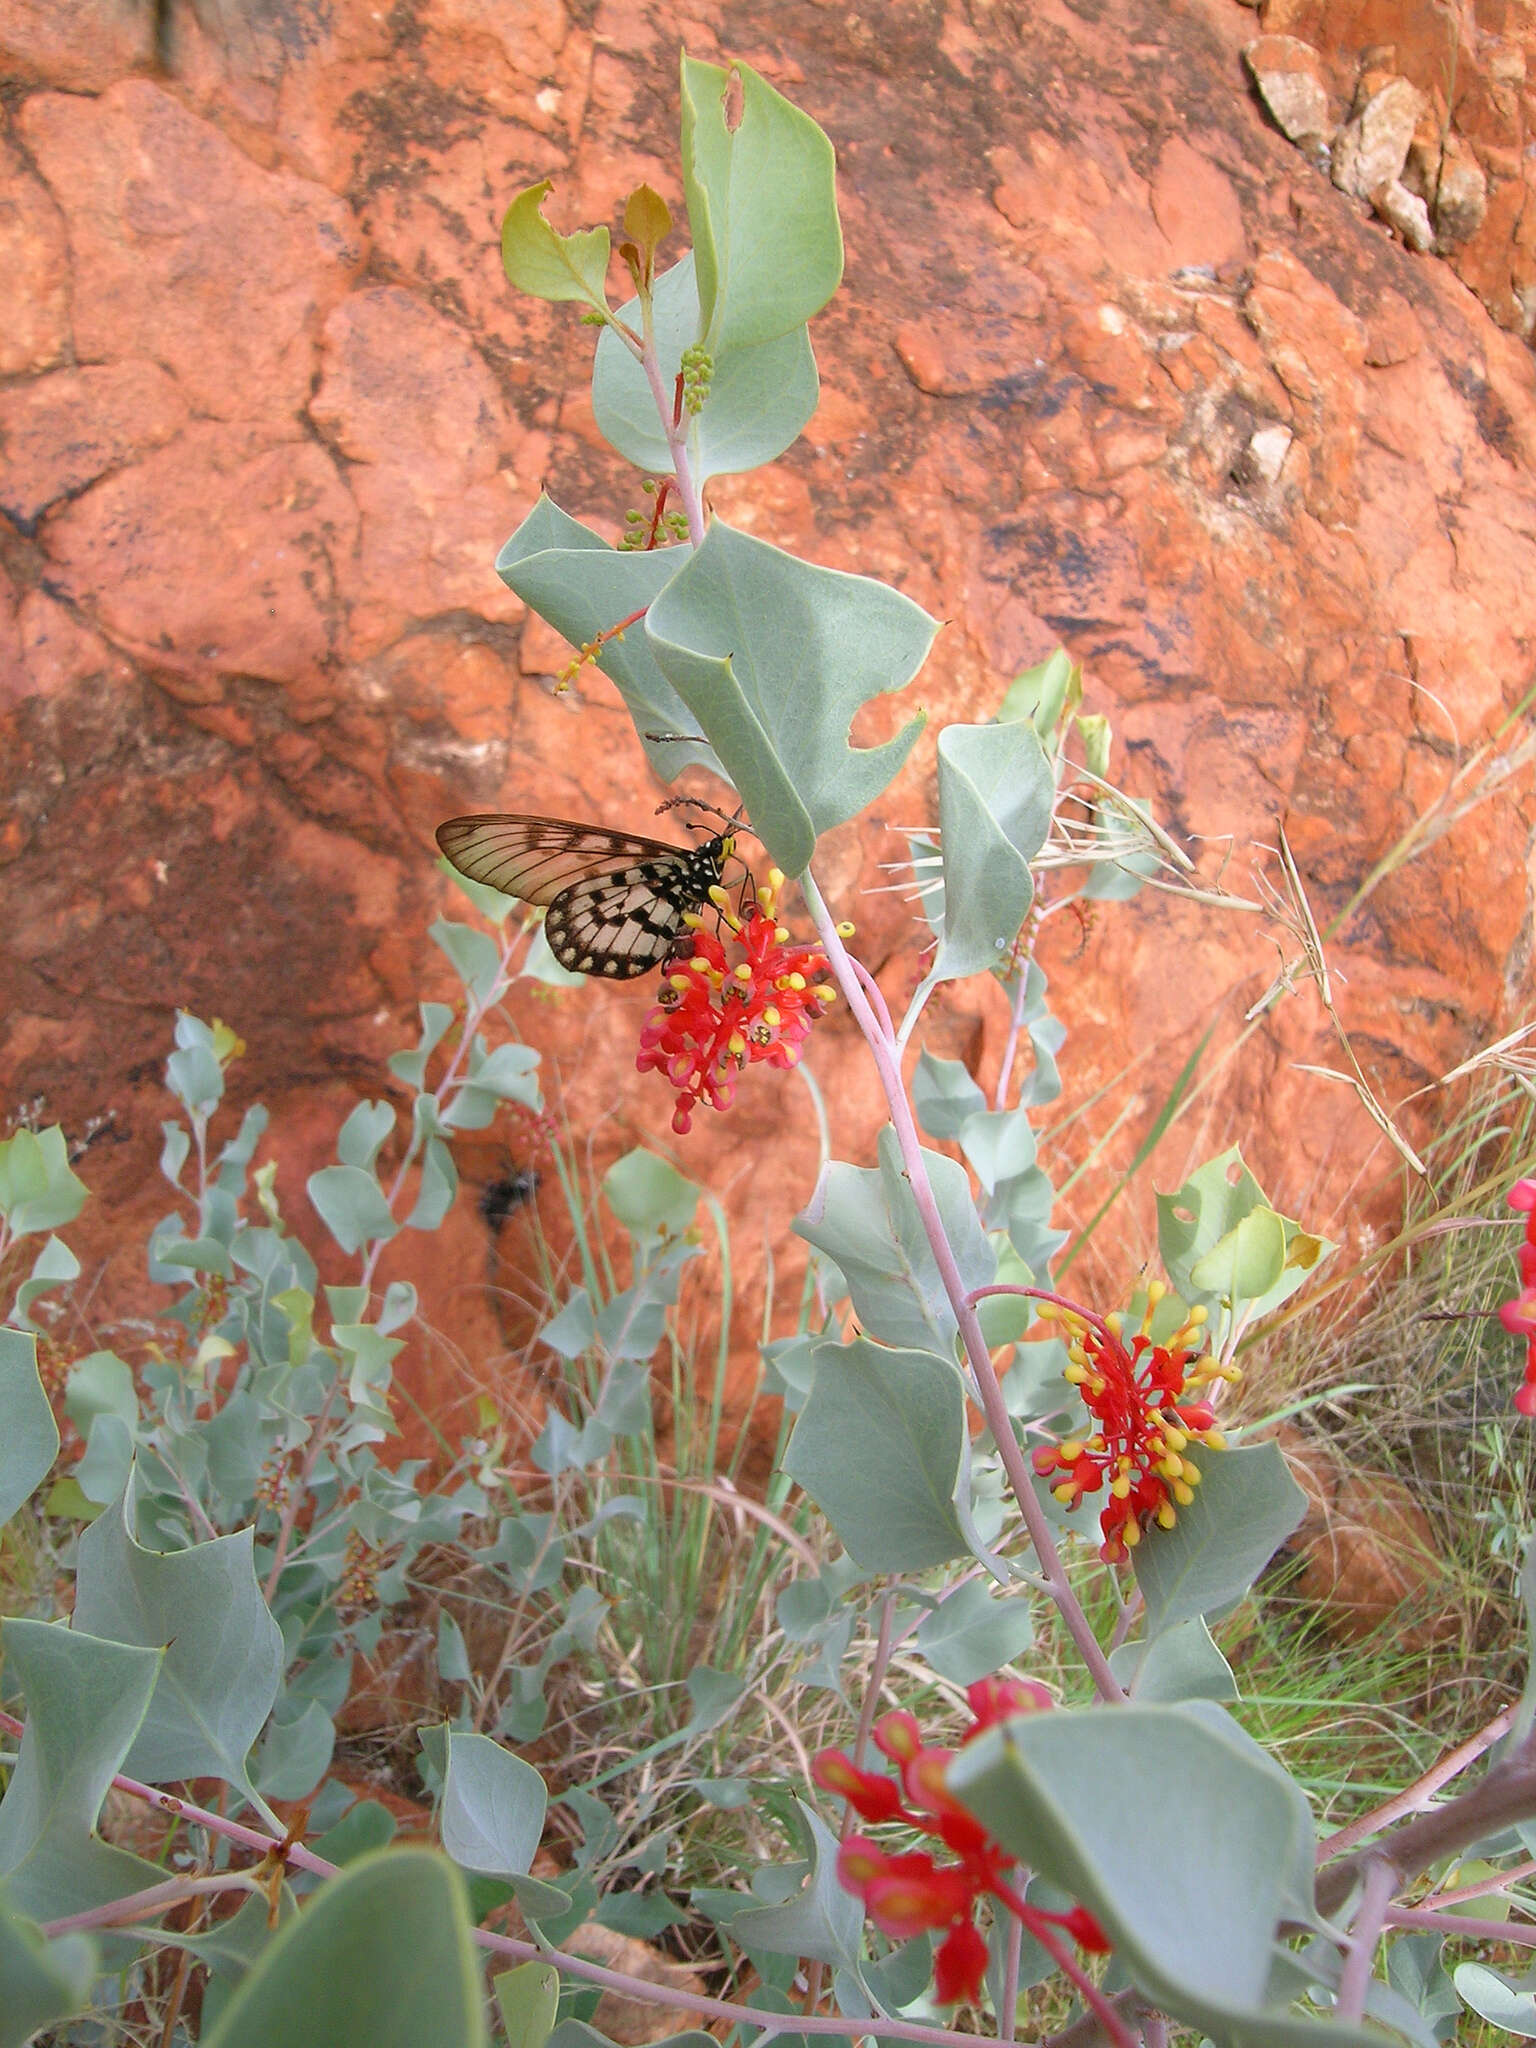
[743, 994]
[908, 1893]
[1145, 1399]
[1519, 1316]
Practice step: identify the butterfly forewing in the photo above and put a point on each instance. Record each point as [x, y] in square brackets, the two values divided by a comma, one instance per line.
[615, 900]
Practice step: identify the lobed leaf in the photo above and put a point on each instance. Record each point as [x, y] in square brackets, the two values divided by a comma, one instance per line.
[29, 1439]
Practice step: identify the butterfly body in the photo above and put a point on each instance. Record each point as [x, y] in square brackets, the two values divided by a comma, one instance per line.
[614, 901]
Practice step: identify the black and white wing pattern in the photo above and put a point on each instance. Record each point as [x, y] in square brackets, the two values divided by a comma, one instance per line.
[615, 901]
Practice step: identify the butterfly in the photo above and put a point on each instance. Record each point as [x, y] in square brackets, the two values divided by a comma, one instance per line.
[614, 901]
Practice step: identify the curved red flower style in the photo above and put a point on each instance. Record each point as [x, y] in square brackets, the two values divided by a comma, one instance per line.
[744, 994]
[907, 1892]
[1145, 1399]
[1519, 1315]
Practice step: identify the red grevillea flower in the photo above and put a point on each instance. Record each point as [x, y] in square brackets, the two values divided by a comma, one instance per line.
[1519, 1316]
[740, 996]
[1141, 1396]
[907, 1892]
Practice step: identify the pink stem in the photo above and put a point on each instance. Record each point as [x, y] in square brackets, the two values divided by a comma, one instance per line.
[994, 1408]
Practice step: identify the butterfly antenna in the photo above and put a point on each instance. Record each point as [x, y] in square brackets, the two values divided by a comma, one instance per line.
[735, 820]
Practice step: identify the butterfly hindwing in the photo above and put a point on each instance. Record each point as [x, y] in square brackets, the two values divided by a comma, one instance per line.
[615, 900]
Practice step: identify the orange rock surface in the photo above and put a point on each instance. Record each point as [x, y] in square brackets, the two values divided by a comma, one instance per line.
[1113, 365]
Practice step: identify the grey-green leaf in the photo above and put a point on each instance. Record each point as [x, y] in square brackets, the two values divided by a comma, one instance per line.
[1244, 1508]
[583, 587]
[493, 1807]
[29, 1440]
[40, 1981]
[85, 1698]
[341, 1975]
[223, 1651]
[351, 1205]
[879, 1446]
[995, 795]
[1195, 1924]
[865, 1219]
[773, 657]
[759, 397]
[973, 1633]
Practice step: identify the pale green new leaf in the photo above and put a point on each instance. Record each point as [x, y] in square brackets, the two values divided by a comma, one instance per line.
[223, 1651]
[995, 796]
[773, 657]
[762, 207]
[29, 1438]
[381, 1958]
[880, 1447]
[1244, 1508]
[1217, 1234]
[548, 265]
[528, 1999]
[759, 397]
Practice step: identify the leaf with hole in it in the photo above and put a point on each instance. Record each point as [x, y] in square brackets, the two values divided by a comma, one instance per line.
[774, 657]
[29, 1441]
[223, 1651]
[340, 1975]
[546, 264]
[1223, 1245]
[759, 177]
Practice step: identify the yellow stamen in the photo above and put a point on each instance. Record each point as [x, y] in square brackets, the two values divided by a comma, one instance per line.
[1070, 1451]
[1166, 1515]
[845, 930]
[1183, 1492]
